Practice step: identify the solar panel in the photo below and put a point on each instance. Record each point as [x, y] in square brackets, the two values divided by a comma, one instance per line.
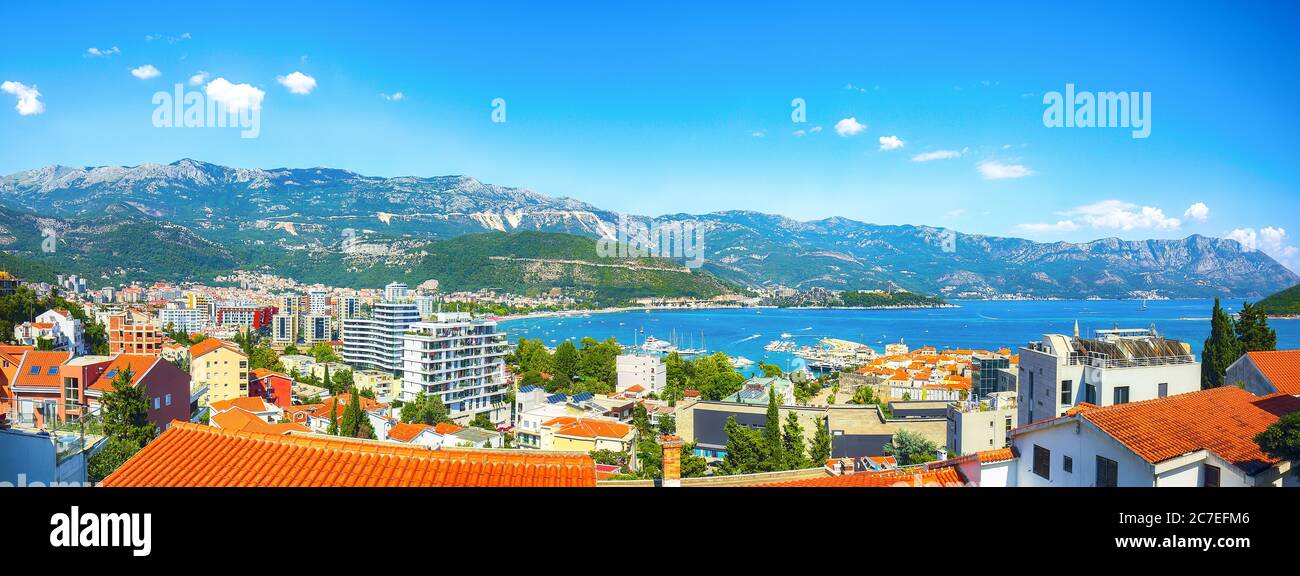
[556, 398]
[528, 388]
[583, 397]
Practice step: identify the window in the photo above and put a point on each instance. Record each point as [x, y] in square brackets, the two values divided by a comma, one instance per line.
[157, 403]
[1107, 472]
[36, 370]
[1067, 391]
[1091, 394]
[1042, 462]
[168, 399]
[1067, 464]
[53, 370]
[1008, 424]
[1211, 476]
[1121, 395]
[1164, 389]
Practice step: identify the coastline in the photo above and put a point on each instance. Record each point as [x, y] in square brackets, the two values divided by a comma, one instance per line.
[613, 310]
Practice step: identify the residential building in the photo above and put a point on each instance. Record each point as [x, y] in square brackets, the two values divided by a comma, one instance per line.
[221, 367]
[166, 386]
[985, 371]
[645, 370]
[1264, 373]
[347, 307]
[317, 328]
[270, 386]
[1203, 438]
[63, 330]
[585, 435]
[8, 283]
[759, 389]
[396, 292]
[375, 342]
[976, 425]
[37, 386]
[252, 316]
[425, 304]
[318, 303]
[133, 333]
[284, 328]
[183, 320]
[460, 360]
[1116, 367]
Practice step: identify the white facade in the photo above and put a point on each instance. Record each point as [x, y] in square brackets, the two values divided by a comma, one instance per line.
[647, 371]
[186, 320]
[460, 360]
[317, 328]
[376, 342]
[284, 328]
[396, 292]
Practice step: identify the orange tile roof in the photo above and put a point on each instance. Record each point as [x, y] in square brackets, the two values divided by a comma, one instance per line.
[1282, 368]
[586, 428]
[446, 428]
[42, 360]
[137, 363]
[1222, 420]
[912, 478]
[340, 403]
[249, 403]
[202, 456]
[210, 344]
[260, 373]
[405, 432]
[239, 420]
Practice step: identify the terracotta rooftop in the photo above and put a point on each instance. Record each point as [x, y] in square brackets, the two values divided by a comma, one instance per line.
[138, 364]
[588, 428]
[1282, 368]
[239, 420]
[406, 432]
[202, 456]
[1221, 420]
[210, 344]
[34, 369]
[249, 403]
[446, 428]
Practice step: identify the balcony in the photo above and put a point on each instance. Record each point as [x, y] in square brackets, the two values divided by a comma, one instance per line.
[73, 429]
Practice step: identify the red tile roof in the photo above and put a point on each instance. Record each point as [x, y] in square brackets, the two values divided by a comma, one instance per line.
[446, 428]
[249, 403]
[210, 344]
[202, 456]
[42, 360]
[406, 432]
[587, 428]
[945, 477]
[340, 404]
[138, 364]
[1282, 368]
[1222, 420]
[239, 420]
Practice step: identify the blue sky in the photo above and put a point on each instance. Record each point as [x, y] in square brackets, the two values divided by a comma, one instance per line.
[676, 107]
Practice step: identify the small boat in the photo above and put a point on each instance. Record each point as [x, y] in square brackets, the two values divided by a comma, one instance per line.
[787, 335]
[741, 362]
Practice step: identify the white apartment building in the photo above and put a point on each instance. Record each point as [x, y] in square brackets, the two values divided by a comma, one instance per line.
[976, 425]
[1115, 367]
[375, 342]
[425, 303]
[644, 370]
[396, 292]
[459, 359]
[347, 307]
[284, 328]
[186, 320]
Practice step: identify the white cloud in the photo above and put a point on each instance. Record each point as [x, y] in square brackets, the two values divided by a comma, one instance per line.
[1118, 215]
[29, 102]
[199, 78]
[297, 83]
[758, 133]
[92, 51]
[1198, 212]
[235, 97]
[814, 129]
[394, 97]
[1061, 226]
[146, 72]
[1269, 240]
[936, 155]
[890, 142]
[994, 170]
[849, 127]
[955, 213]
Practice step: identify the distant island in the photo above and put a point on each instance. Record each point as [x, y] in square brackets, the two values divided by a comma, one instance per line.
[858, 299]
[1284, 303]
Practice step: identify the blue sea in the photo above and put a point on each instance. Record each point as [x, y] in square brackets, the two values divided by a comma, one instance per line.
[987, 325]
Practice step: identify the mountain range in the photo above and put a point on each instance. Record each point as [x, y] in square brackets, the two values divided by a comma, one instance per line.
[312, 222]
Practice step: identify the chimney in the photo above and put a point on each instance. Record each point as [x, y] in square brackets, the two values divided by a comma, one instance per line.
[672, 466]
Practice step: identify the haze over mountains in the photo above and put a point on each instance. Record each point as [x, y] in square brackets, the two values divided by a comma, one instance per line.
[309, 223]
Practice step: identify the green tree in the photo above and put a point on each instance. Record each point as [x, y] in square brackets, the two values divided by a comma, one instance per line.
[667, 424]
[565, 365]
[745, 452]
[773, 444]
[333, 428]
[1252, 331]
[355, 423]
[793, 443]
[641, 421]
[692, 466]
[322, 352]
[125, 412]
[820, 449]
[769, 370]
[425, 409]
[911, 448]
[1221, 349]
[1282, 440]
[481, 420]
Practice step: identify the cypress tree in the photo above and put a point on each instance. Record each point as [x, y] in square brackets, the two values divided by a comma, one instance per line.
[1253, 331]
[772, 442]
[1221, 348]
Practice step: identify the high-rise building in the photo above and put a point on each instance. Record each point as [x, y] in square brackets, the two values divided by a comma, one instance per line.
[396, 292]
[460, 360]
[375, 342]
[347, 307]
[317, 328]
[132, 333]
[243, 314]
[425, 304]
[985, 373]
[317, 301]
[284, 328]
[184, 320]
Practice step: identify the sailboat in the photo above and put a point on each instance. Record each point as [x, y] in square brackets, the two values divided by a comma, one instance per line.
[1143, 306]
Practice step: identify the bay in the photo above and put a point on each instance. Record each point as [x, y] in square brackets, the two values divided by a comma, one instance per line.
[987, 325]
